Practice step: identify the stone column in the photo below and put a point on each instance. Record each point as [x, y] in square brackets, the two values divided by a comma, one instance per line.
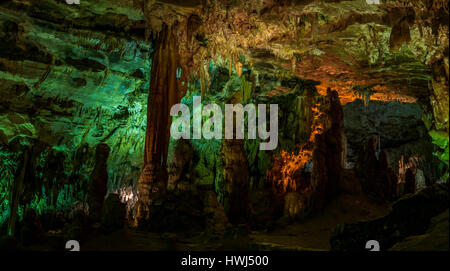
[163, 94]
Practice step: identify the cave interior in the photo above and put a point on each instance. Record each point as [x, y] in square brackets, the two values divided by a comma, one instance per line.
[87, 150]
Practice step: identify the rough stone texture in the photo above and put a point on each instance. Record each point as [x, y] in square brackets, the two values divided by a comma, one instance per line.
[409, 216]
[74, 76]
[77, 228]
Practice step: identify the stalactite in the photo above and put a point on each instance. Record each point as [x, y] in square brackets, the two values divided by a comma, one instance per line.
[246, 89]
[230, 68]
[238, 67]
[293, 64]
[202, 82]
[16, 192]
[204, 79]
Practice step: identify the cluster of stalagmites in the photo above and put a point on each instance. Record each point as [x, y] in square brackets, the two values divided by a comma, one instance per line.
[104, 213]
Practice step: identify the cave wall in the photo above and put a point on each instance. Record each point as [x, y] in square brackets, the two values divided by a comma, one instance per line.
[65, 88]
[399, 128]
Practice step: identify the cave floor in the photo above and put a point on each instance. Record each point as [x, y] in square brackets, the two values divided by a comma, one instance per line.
[312, 234]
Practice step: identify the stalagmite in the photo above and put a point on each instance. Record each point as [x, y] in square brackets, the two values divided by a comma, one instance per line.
[98, 182]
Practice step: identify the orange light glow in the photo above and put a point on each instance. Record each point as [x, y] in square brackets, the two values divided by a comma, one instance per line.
[288, 166]
[291, 165]
[346, 95]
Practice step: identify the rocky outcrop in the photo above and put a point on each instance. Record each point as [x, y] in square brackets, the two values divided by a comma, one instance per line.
[409, 216]
[77, 228]
[296, 205]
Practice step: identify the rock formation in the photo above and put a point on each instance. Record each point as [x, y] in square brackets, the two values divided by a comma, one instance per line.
[98, 183]
[86, 91]
[164, 93]
[235, 180]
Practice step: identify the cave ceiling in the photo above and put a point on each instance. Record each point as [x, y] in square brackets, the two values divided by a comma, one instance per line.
[339, 44]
